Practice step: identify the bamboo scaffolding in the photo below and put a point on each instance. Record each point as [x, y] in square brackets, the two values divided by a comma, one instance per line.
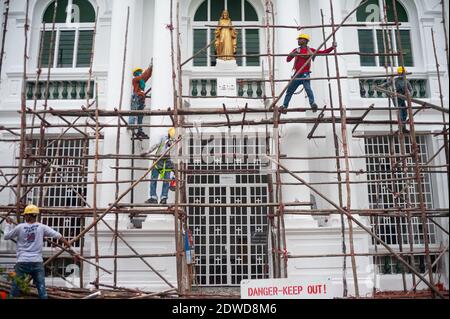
[5, 29]
[415, 151]
[194, 111]
[362, 226]
[277, 208]
[119, 127]
[441, 98]
[338, 167]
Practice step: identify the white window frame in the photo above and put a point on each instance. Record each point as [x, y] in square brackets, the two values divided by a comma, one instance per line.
[67, 26]
[393, 30]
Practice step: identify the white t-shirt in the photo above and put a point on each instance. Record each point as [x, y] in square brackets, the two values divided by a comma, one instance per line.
[30, 239]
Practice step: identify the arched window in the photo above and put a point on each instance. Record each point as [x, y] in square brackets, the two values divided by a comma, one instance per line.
[73, 38]
[241, 12]
[372, 39]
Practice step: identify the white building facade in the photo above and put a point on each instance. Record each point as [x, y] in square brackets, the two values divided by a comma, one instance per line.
[226, 250]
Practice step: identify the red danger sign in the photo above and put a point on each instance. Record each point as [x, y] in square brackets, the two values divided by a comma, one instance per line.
[290, 288]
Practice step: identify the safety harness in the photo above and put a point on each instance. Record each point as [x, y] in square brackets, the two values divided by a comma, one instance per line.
[164, 169]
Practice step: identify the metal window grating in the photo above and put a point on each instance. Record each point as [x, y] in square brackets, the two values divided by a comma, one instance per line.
[68, 167]
[230, 243]
[381, 194]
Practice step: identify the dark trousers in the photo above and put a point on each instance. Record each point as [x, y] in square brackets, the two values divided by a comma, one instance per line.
[36, 271]
[403, 110]
[137, 104]
[301, 79]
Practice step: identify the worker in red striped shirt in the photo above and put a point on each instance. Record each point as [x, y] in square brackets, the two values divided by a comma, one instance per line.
[302, 70]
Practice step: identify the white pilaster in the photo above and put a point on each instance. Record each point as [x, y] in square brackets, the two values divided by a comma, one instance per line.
[114, 89]
[162, 87]
[293, 136]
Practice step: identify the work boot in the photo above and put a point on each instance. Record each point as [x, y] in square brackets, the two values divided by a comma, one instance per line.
[144, 136]
[314, 107]
[405, 130]
[283, 109]
[137, 135]
[163, 201]
[151, 201]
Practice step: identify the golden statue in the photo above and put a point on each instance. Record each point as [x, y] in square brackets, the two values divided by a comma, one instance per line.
[226, 38]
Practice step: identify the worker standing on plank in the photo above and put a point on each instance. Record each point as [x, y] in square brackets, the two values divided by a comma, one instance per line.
[301, 55]
[400, 88]
[30, 239]
[163, 168]
[138, 98]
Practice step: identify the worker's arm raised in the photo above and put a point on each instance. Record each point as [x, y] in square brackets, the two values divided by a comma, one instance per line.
[330, 49]
[148, 73]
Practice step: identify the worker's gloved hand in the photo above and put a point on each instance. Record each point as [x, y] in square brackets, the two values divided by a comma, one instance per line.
[335, 45]
[143, 154]
[8, 220]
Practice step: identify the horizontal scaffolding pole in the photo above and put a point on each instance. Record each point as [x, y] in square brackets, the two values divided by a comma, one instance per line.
[364, 254]
[345, 25]
[190, 111]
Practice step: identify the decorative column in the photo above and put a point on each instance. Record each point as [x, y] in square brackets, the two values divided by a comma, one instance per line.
[293, 140]
[353, 148]
[162, 91]
[114, 89]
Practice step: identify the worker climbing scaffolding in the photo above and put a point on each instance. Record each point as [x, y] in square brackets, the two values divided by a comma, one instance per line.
[163, 168]
[302, 70]
[401, 84]
[138, 99]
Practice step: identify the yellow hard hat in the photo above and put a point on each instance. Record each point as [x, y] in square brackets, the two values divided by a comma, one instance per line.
[172, 132]
[304, 36]
[137, 70]
[31, 210]
[401, 70]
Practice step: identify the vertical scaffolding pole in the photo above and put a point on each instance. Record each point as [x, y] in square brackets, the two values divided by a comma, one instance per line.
[41, 148]
[177, 222]
[23, 118]
[5, 29]
[275, 248]
[394, 162]
[441, 99]
[415, 151]
[343, 112]
[94, 206]
[90, 91]
[388, 49]
[180, 177]
[444, 26]
[338, 167]
[119, 127]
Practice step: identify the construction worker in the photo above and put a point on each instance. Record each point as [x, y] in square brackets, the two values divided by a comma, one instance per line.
[400, 88]
[138, 98]
[30, 238]
[163, 168]
[301, 55]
